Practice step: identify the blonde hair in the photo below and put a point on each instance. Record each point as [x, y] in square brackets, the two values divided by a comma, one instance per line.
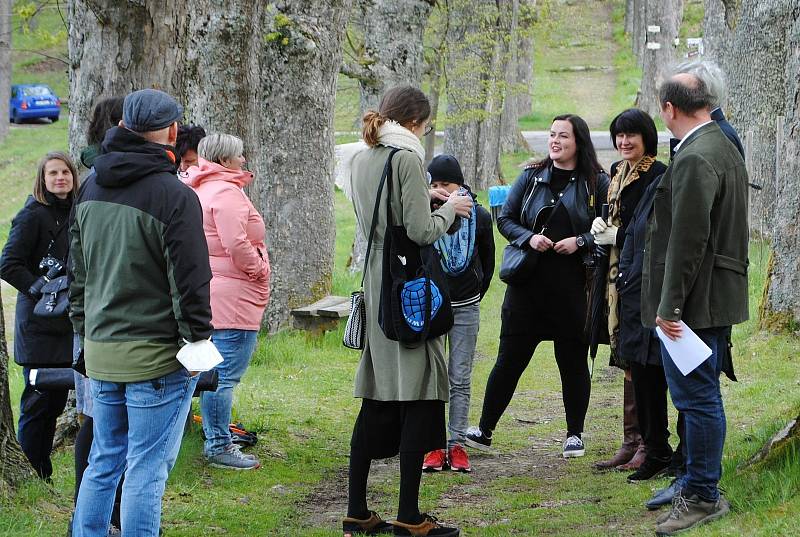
[216, 147]
[39, 186]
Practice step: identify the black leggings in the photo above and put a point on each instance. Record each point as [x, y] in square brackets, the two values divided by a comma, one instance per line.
[410, 476]
[513, 357]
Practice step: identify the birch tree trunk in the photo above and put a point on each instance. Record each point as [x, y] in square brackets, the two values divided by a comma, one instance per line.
[117, 47]
[660, 49]
[5, 65]
[14, 466]
[754, 61]
[781, 307]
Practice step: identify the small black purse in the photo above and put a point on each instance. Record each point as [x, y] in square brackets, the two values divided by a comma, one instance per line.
[518, 263]
[55, 298]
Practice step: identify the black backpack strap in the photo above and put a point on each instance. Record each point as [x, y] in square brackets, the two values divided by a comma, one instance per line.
[387, 174]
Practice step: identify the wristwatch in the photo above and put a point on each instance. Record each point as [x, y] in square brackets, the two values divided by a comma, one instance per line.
[580, 241]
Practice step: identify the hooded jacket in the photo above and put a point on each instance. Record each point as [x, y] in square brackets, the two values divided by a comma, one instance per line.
[139, 262]
[238, 255]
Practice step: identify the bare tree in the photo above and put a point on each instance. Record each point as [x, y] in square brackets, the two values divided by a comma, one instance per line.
[14, 466]
[662, 21]
[5, 64]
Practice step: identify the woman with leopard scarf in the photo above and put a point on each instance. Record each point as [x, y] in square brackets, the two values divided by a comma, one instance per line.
[634, 135]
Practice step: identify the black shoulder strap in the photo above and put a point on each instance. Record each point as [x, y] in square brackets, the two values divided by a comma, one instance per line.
[387, 174]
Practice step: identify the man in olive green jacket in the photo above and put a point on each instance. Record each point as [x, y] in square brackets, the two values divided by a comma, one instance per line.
[695, 271]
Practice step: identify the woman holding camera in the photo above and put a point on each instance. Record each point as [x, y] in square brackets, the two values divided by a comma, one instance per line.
[36, 252]
[548, 213]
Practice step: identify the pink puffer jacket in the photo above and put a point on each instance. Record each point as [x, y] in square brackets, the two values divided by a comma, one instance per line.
[235, 235]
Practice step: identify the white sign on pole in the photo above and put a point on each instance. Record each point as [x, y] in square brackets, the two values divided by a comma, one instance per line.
[654, 29]
[653, 46]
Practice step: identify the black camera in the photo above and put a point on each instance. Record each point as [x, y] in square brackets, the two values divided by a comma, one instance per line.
[53, 266]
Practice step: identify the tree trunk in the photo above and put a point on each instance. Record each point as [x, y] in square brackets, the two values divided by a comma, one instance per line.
[266, 72]
[117, 47]
[478, 37]
[434, 94]
[516, 85]
[392, 55]
[755, 64]
[639, 30]
[716, 32]
[630, 15]
[14, 466]
[5, 65]
[781, 307]
[294, 158]
[393, 40]
[667, 16]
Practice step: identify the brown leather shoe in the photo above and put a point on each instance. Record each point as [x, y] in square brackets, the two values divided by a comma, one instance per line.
[374, 525]
[429, 527]
[635, 462]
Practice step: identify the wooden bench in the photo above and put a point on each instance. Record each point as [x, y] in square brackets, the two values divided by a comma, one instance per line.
[322, 315]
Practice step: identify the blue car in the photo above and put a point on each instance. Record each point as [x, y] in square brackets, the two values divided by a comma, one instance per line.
[29, 101]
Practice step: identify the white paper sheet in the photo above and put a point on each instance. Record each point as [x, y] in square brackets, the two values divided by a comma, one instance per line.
[199, 356]
[688, 351]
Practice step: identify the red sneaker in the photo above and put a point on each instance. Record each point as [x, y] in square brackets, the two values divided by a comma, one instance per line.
[459, 461]
[435, 461]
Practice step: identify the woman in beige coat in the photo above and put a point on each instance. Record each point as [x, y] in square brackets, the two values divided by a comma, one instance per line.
[403, 390]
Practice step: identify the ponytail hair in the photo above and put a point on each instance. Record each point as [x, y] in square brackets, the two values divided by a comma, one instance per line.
[404, 104]
[372, 122]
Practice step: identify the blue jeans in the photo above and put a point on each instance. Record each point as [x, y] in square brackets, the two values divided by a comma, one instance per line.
[697, 396]
[137, 430]
[236, 348]
[462, 339]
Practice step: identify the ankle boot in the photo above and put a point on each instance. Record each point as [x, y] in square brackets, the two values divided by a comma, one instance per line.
[636, 461]
[631, 439]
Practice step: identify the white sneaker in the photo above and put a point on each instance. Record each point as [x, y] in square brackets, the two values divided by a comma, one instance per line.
[573, 447]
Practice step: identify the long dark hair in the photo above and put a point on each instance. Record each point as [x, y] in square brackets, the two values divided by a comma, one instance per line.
[403, 104]
[106, 114]
[587, 165]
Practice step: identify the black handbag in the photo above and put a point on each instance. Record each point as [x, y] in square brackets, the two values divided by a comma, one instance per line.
[55, 298]
[415, 301]
[518, 263]
[355, 331]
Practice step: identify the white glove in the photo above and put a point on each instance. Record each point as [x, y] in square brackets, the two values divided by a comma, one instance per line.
[199, 355]
[607, 236]
[598, 225]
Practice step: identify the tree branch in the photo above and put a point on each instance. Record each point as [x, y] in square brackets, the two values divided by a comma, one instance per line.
[62, 60]
[358, 72]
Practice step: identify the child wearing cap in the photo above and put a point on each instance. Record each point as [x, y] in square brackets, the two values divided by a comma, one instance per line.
[467, 257]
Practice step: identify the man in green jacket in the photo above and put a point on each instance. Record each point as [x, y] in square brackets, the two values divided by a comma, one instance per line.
[695, 271]
[140, 286]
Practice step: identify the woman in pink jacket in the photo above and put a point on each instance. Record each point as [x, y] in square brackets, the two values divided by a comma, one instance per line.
[239, 287]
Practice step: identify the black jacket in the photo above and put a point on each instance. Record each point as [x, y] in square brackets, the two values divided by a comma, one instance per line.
[37, 341]
[529, 196]
[631, 194]
[634, 343]
[474, 282]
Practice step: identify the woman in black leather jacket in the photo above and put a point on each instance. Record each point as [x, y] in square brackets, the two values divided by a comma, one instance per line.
[552, 304]
[38, 232]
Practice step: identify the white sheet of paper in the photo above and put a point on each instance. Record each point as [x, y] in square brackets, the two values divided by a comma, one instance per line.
[688, 351]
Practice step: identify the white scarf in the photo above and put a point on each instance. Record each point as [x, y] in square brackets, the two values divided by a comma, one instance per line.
[390, 134]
